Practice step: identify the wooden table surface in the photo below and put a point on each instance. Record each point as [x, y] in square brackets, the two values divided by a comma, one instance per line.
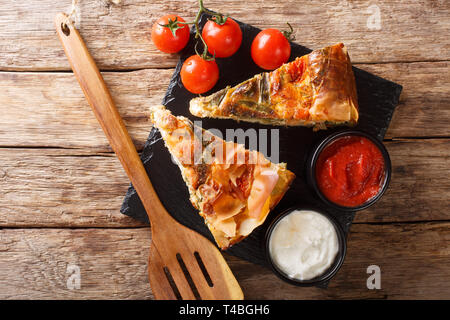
[62, 187]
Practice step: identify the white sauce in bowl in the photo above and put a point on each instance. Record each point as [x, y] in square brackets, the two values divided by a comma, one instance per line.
[303, 244]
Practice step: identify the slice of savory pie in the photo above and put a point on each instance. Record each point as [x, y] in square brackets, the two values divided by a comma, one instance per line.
[233, 188]
[317, 90]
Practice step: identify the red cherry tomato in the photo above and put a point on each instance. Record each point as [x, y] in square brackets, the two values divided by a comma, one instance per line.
[199, 75]
[222, 40]
[270, 49]
[163, 37]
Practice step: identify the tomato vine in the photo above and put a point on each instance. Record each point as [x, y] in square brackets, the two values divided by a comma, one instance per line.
[218, 18]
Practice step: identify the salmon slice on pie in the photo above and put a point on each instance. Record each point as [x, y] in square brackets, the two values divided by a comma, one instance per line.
[316, 90]
[233, 188]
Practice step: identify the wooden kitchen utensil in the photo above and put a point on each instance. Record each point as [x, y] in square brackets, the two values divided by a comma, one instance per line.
[182, 263]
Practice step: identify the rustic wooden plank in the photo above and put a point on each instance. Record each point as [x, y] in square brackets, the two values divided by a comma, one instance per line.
[81, 188]
[49, 109]
[118, 35]
[113, 263]
[61, 188]
[423, 108]
[420, 188]
[414, 260]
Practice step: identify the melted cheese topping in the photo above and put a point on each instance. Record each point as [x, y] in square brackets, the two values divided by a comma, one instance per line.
[244, 213]
[263, 185]
[226, 207]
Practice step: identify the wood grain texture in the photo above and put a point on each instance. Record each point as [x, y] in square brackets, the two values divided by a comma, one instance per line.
[64, 188]
[34, 263]
[423, 110]
[420, 185]
[119, 37]
[82, 188]
[414, 261]
[49, 109]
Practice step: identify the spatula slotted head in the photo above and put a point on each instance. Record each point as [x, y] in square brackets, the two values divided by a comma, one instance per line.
[185, 265]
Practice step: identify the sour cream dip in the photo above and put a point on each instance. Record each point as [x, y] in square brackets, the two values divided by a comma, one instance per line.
[303, 244]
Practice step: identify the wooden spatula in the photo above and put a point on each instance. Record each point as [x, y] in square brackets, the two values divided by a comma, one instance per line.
[182, 263]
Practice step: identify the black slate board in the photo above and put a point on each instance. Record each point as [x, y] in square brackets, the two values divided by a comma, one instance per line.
[377, 99]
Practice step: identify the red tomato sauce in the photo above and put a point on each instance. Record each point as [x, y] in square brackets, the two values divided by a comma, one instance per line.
[350, 171]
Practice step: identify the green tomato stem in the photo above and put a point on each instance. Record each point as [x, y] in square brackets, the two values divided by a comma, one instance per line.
[219, 18]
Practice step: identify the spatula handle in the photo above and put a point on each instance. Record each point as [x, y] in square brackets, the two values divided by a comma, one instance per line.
[98, 96]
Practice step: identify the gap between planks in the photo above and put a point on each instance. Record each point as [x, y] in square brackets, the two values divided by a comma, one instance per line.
[125, 70]
[382, 223]
[99, 152]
